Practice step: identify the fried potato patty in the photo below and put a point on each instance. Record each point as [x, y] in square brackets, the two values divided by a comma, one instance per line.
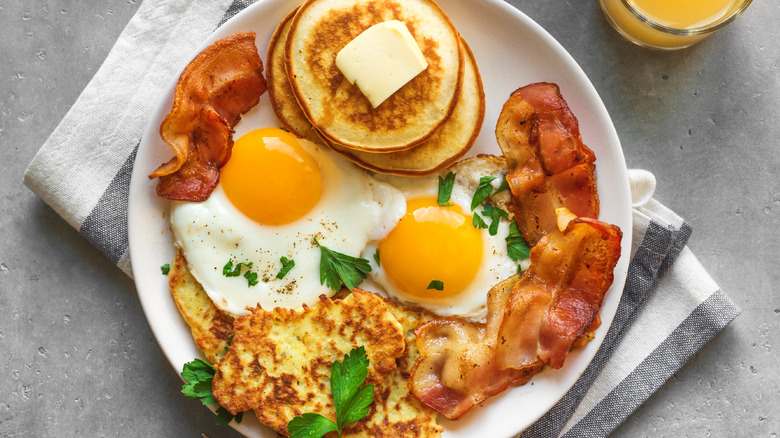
[395, 411]
[211, 327]
[279, 361]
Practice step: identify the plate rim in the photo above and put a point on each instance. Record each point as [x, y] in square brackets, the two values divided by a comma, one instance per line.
[138, 179]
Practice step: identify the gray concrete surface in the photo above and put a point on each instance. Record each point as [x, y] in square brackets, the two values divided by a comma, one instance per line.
[77, 357]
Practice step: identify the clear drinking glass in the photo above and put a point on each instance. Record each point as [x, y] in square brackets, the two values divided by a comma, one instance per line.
[639, 27]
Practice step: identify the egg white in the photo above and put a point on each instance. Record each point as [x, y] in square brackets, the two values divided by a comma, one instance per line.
[496, 265]
[353, 210]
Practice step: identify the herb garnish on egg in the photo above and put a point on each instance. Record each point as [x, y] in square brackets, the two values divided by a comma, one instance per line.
[504, 186]
[445, 189]
[478, 222]
[517, 247]
[436, 284]
[337, 269]
[287, 264]
[251, 278]
[229, 271]
[484, 189]
[495, 214]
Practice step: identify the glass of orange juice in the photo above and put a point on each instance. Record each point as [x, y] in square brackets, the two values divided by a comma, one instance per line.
[670, 24]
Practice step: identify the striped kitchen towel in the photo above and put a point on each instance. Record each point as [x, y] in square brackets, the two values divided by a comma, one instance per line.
[670, 306]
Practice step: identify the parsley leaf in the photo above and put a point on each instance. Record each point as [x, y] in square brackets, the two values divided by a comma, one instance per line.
[516, 246]
[350, 399]
[228, 270]
[477, 221]
[310, 426]
[495, 214]
[225, 417]
[199, 376]
[357, 408]
[436, 284]
[337, 269]
[484, 189]
[445, 189]
[345, 381]
[287, 264]
[166, 268]
[504, 186]
[376, 257]
[251, 278]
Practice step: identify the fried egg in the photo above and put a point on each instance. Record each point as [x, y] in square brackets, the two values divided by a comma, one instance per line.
[276, 194]
[439, 244]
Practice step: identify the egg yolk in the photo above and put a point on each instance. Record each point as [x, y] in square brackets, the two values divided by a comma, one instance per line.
[271, 178]
[431, 243]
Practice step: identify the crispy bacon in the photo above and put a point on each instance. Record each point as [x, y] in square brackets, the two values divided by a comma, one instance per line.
[590, 270]
[549, 165]
[458, 367]
[224, 81]
[531, 322]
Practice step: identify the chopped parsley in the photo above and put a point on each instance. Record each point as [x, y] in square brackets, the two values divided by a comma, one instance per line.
[230, 271]
[516, 246]
[337, 268]
[445, 189]
[166, 268]
[484, 189]
[287, 264]
[350, 398]
[495, 214]
[504, 186]
[376, 257]
[436, 284]
[199, 375]
[251, 278]
[477, 221]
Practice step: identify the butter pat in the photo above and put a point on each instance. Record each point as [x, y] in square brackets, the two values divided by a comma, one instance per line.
[381, 60]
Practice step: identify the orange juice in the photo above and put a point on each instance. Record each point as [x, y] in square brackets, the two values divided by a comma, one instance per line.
[685, 14]
[670, 24]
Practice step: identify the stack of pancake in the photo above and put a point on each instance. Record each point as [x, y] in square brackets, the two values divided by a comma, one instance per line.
[423, 127]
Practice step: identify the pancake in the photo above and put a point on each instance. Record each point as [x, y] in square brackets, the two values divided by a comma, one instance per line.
[338, 109]
[282, 97]
[450, 142]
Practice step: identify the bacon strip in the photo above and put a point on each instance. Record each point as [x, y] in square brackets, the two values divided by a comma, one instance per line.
[224, 81]
[531, 322]
[549, 165]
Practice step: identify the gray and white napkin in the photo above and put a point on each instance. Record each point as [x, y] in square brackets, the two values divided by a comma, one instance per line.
[670, 306]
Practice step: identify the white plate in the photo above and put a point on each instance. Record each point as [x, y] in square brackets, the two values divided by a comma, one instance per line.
[511, 51]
